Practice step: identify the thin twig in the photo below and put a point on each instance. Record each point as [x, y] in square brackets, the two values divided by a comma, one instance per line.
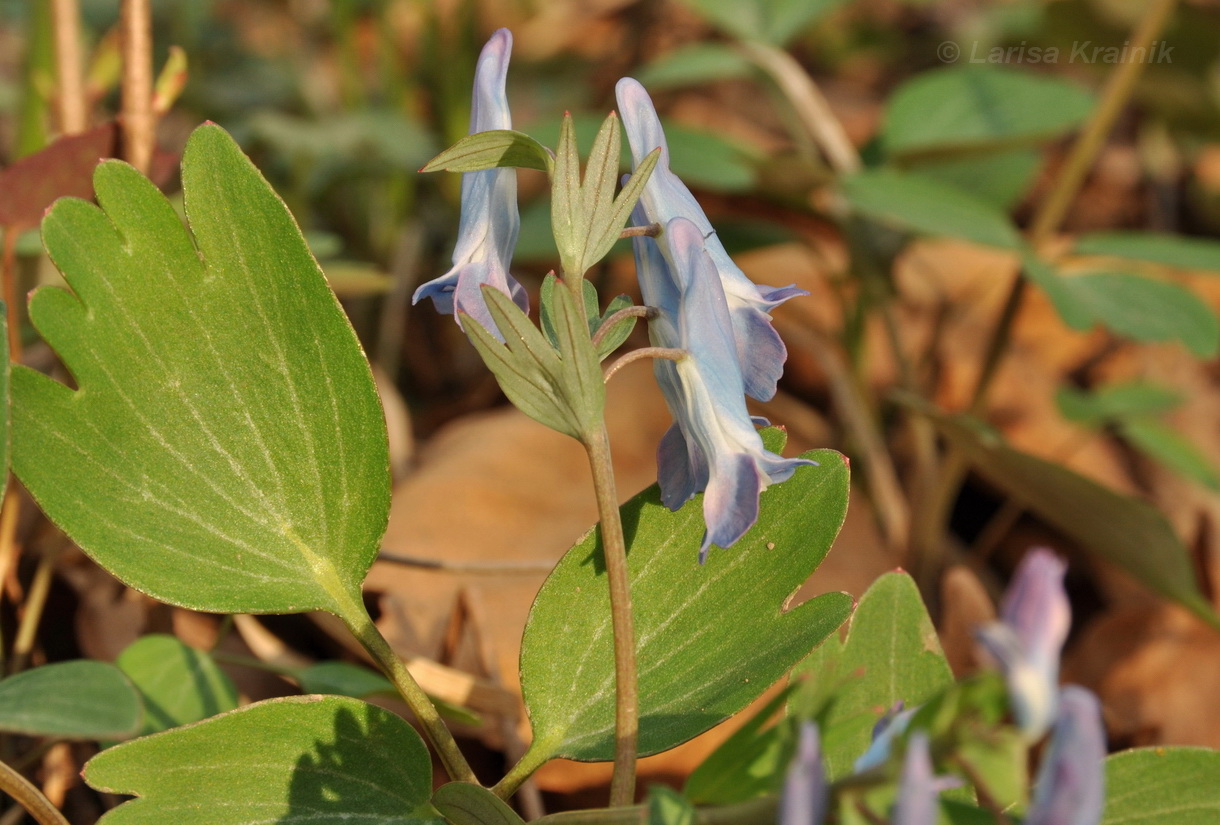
[491, 568]
[647, 313]
[69, 75]
[138, 119]
[29, 797]
[809, 103]
[668, 353]
[35, 603]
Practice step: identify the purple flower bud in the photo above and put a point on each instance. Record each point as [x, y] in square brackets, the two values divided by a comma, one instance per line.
[1071, 780]
[713, 445]
[1028, 641]
[887, 729]
[487, 231]
[806, 793]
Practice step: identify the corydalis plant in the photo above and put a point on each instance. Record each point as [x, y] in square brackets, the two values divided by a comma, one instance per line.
[709, 324]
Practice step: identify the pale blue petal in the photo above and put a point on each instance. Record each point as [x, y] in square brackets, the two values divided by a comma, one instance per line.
[489, 223]
[806, 794]
[1071, 780]
[919, 787]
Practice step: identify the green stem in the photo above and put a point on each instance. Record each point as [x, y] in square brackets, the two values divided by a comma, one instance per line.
[29, 797]
[929, 533]
[614, 550]
[668, 353]
[361, 625]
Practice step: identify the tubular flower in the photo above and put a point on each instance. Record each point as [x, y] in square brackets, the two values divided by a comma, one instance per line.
[760, 352]
[1071, 780]
[713, 444]
[1028, 641]
[487, 232]
[919, 787]
[806, 792]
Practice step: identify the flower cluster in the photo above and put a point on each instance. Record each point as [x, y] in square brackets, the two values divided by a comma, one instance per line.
[1070, 786]
[704, 305]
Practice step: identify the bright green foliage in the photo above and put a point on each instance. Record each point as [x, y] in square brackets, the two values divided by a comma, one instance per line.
[751, 762]
[1143, 309]
[465, 804]
[70, 700]
[226, 450]
[487, 150]
[698, 627]
[668, 807]
[1163, 786]
[179, 684]
[975, 107]
[560, 387]
[1154, 247]
[929, 207]
[891, 654]
[586, 217]
[1126, 531]
[772, 21]
[295, 760]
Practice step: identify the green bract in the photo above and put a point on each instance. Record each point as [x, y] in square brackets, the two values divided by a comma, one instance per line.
[226, 449]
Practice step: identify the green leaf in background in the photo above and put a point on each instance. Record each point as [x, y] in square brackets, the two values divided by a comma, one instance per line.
[620, 332]
[1145, 309]
[487, 150]
[358, 682]
[698, 626]
[668, 807]
[891, 654]
[774, 21]
[929, 207]
[226, 450]
[751, 762]
[1155, 247]
[178, 683]
[973, 107]
[1123, 530]
[70, 700]
[1115, 402]
[302, 758]
[465, 804]
[1163, 786]
[694, 64]
[1000, 179]
[1164, 444]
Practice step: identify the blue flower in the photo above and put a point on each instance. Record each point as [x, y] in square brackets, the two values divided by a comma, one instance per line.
[1028, 641]
[1071, 780]
[713, 444]
[891, 726]
[760, 352]
[919, 787]
[806, 793]
[487, 232]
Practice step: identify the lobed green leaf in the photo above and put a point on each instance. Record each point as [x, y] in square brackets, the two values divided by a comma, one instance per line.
[70, 700]
[1163, 786]
[492, 149]
[178, 684]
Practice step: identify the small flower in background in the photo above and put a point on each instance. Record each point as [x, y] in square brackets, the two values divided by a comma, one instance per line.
[713, 444]
[806, 793]
[1028, 641]
[487, 232]
[1071, 780]
[887, 729]
[919, 787]
[760, 352]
